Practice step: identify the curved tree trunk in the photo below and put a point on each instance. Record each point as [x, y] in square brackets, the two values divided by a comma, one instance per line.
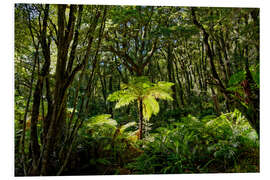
[35, 148]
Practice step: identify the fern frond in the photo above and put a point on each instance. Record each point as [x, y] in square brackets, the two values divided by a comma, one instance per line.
[164, 85]
[101, 120]
[125, 100]
[160, 94]
[116, 95]
[124, 127]
[151, 106]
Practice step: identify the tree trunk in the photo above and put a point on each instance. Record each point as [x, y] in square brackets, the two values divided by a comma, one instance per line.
[181, 92]
[215, 101]
[140, 105]
[63, 79]
[110, 91]
[252, 97]
[208, 49]
[22, 140]
[171, 75]
[35, 148]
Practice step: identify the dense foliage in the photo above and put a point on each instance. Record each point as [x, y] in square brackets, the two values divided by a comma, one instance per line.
[223, 144]
[136, 89]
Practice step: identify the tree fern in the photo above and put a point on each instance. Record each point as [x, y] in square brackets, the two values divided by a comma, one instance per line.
[141, 89]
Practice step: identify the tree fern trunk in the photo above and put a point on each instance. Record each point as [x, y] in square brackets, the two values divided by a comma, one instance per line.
[140, 118]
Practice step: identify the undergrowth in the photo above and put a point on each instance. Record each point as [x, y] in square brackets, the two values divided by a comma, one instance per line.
[210, 144]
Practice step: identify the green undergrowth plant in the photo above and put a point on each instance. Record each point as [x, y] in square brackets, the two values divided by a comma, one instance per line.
[106, 144]
[200, 145]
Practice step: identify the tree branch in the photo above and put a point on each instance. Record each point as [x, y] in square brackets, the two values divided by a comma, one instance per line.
[75, 41]
[208, 49]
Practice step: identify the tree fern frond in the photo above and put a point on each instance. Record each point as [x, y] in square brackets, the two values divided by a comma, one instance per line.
[151, 106]
[165, 85]
[123, 86]
[101, 120]
[124, 127]
[160, 94]
[125, 100]
[116, 95]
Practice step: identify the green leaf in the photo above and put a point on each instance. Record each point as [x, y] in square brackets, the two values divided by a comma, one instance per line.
[151, 106]
[255, 73]
[125, 100]
[116, 95]
[233, 88]
[101, 120]
[126, 126]
[237, 78]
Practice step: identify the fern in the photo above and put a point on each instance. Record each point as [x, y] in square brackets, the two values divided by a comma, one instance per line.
[143, 91]
[142, 88]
